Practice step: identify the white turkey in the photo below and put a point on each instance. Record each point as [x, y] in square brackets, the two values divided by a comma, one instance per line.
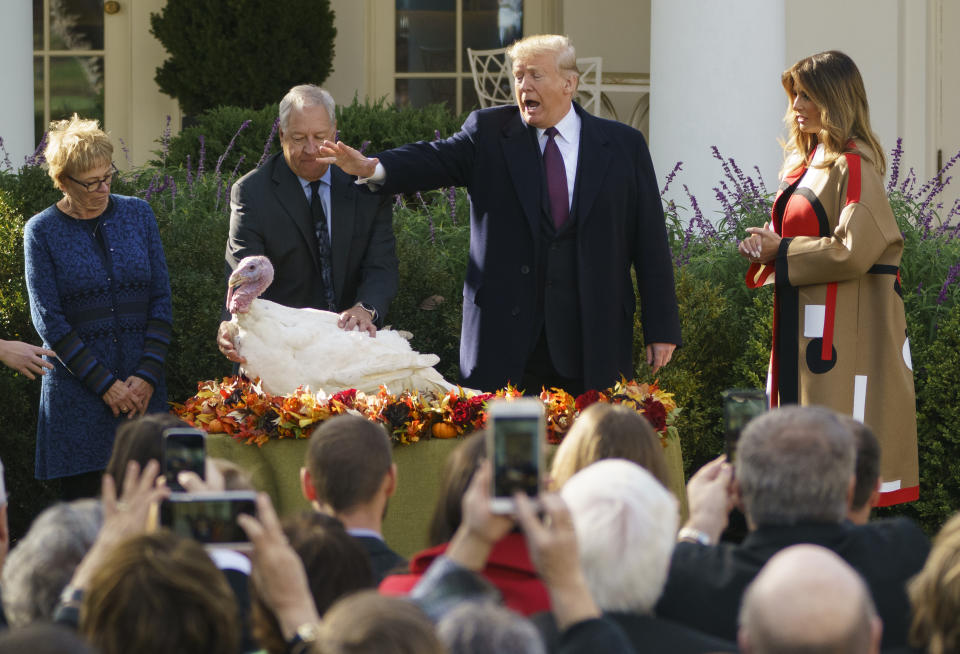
[287, 347]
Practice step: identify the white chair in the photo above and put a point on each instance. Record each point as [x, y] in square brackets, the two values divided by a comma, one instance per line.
[589, 93]
[492, 76]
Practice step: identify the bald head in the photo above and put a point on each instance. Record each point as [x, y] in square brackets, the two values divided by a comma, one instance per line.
[807, 600]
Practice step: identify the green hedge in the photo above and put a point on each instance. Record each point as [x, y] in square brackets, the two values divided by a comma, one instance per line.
[726, 327]
[375, 126]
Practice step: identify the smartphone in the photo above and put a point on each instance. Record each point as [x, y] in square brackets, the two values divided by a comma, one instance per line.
[516, 433]
[740, 406]
[184, 448]
[209, 518]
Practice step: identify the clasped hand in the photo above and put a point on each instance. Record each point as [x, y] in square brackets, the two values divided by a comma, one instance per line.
[761, 246]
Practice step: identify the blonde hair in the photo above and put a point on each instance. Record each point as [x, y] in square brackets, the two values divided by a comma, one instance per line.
[935, 594]
[832, 81]
[608, 431]
[75, 146]
[556, 45]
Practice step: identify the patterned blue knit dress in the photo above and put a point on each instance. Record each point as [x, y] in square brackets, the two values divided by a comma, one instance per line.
[104, 308]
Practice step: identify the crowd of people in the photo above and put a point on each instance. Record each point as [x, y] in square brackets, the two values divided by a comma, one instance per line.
[562, 203]
[597, 562]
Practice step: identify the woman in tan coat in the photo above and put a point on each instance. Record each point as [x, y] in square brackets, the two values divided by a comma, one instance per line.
[832, 250]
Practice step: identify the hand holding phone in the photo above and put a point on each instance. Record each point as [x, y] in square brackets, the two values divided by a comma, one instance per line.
[209, 518]
[184, 448]
[740, 406]
[515, 436]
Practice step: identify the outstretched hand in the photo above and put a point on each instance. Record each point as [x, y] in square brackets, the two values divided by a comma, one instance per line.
[25, 358]
[124, 518]
[347, 159]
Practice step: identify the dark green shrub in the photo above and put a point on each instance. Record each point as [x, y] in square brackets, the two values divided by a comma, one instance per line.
[375, 126]
[241, 52]
[432, 243]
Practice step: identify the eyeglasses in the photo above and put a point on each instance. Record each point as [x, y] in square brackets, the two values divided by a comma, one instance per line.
[95, 184]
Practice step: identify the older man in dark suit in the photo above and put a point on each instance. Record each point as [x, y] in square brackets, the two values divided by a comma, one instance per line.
[562, 204]
[330, 242]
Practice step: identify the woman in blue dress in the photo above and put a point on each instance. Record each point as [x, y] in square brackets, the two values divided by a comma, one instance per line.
[100, 298]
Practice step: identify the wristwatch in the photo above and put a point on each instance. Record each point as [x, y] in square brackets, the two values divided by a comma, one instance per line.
[694, 535]
[369, 308]
[303, 640]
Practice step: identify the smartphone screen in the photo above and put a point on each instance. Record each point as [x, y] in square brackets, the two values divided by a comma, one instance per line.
[183, 449]
[740, 406]
[516, 455]
[209, 518]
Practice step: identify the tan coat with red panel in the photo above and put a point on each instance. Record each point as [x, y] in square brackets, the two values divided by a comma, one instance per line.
[840, 335]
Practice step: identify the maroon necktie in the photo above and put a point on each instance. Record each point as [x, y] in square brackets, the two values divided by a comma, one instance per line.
[556, 180]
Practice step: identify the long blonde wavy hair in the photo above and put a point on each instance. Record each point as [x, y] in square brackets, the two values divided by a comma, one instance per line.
[935, 594]
[833, 82]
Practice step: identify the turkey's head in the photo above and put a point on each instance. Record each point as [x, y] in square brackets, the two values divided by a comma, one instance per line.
[251, 278]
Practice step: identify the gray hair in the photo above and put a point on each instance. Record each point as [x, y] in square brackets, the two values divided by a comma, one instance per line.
[42, 563]
[626, 524]
[307, 95]
[795, 464]
[481, 627]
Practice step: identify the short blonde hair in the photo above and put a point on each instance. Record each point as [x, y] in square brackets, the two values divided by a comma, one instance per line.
[75, 146]
[935, 594]
[547, 44]
[608, 431]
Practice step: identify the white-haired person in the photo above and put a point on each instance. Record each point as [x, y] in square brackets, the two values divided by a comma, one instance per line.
[331, 242]
[794, 478]
[46, 557]
[807, 599]
[626, 524]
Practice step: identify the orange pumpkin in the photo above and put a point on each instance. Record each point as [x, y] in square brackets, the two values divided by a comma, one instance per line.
[444, 430]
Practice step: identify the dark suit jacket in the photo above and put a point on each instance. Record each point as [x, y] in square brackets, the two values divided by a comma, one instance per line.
[706, 583]
[646, 632]
[383, 560]
[619, 223]
[270, 215]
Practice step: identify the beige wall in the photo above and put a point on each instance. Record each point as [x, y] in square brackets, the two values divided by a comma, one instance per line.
[349, 64]
[136, 110]
[618, 31]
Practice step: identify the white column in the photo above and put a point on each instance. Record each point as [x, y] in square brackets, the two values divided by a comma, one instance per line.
[715, 80]
[16, 53]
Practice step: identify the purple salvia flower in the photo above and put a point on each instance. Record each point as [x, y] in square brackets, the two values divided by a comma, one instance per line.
[673, 173]
[433, 232]
[452, 201]
[951, 278]
[189, 173]
[172, 185]
[37, 158]
[895, 156]
[203, 157]
[229, 147]
[909, 182]
[706, 227]
[763, 186]
[423, 203]
[269, 143]
[233, 173]
[398, 201]
[6, 156]
[126, 151]
[165, 142]
[364, 146]
[436, 133]
[728, 212]
[920, 288]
